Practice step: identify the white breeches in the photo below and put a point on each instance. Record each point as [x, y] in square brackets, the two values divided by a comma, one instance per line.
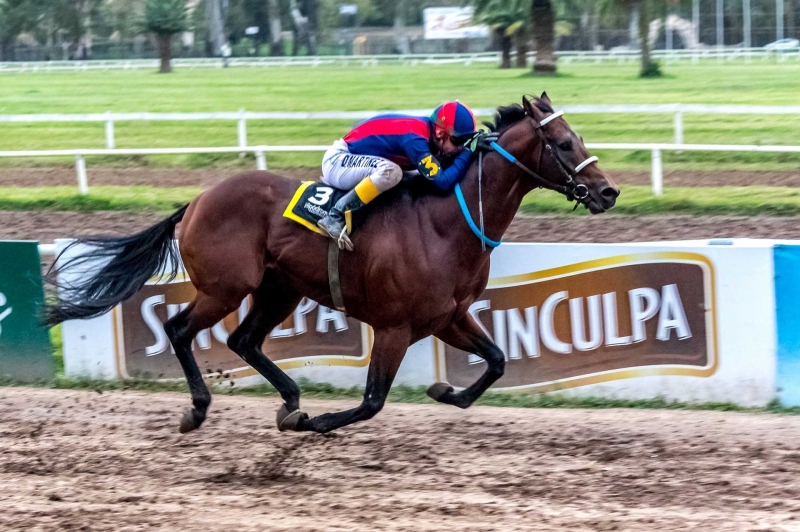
[343, 170]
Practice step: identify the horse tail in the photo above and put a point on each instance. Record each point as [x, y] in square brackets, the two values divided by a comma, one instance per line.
[85, 290]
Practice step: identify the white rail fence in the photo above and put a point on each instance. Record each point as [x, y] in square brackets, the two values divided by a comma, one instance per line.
[656, 149]
[566, 57]
[677, 110]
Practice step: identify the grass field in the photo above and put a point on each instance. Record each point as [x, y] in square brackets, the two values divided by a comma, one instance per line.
[395, 87]
[636, 200]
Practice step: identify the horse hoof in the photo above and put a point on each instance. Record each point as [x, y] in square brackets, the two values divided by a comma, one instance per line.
[189, 422]
[289, 420]
[439, 390]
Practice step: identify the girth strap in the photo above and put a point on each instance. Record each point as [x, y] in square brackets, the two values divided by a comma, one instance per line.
[333, 275]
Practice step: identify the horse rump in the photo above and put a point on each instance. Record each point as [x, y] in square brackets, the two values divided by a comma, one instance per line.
[107, 271]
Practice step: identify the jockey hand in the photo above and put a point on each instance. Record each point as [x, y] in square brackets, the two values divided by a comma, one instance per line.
[482, 141]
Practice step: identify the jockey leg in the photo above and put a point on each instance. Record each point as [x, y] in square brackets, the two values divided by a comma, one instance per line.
[385, 176]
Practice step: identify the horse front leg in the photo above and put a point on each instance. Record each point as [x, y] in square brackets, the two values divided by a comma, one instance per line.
[387, 352]
[468, 336]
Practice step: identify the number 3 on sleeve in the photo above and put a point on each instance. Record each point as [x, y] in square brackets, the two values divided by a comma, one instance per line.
[428, 167]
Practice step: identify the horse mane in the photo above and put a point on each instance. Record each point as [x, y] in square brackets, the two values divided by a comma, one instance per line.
[508, 115]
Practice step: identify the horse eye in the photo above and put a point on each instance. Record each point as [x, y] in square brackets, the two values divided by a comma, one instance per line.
[565, 146]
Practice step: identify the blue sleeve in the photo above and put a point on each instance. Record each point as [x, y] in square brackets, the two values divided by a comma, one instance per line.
[429, 167]
[447, 179]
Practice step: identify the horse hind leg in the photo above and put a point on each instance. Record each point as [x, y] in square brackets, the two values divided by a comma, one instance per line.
[202, 313]
[273, 302]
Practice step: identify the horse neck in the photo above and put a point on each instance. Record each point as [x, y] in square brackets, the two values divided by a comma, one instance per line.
[503, 186]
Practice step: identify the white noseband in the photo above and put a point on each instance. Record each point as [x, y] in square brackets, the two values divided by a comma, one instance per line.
[587, 162]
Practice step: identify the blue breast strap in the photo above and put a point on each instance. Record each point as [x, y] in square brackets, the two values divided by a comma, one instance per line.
[465, 211]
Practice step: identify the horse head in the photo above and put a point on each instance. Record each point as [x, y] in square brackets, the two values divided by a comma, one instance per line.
[552, 155]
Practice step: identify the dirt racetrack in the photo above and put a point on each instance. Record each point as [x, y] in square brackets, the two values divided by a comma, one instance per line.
[45, 226]
[114, 461]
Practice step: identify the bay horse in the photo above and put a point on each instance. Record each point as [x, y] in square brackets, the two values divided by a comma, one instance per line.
[417, 267]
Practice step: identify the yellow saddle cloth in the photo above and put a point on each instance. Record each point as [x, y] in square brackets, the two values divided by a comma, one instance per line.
[311, 202]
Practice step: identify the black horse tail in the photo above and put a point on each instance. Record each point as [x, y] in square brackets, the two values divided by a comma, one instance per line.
[86, 290]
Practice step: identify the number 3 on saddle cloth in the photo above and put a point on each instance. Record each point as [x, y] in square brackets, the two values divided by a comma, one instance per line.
[311, 202]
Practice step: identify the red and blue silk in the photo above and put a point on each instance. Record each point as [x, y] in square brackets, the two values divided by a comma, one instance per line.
[405, 140]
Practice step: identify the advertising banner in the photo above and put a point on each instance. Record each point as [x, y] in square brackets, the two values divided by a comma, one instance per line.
[313, 335]
[689, 321]
[614, 318]
[452, 23]
[25, 350]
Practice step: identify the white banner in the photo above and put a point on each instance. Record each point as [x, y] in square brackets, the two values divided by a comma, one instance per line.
[452, 23]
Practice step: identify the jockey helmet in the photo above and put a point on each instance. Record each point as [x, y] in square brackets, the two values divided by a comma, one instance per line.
[456, 119]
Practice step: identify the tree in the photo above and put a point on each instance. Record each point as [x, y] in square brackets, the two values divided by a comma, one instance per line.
[305, 16]
[215, 26]
[275, 37]
[401, 39]
[124, 16]
[506, 18]
[165, 18]
[16, 16]
[544, 37]
[73, 18]
[644, 8]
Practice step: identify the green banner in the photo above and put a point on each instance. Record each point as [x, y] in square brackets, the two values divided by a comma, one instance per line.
[25, 350]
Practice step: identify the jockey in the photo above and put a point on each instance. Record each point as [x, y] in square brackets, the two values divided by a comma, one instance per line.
[372, 157]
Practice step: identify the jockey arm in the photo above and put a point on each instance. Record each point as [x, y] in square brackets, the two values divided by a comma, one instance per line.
[430, 167]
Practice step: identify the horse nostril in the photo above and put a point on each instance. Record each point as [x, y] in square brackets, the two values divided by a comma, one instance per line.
[610, 193]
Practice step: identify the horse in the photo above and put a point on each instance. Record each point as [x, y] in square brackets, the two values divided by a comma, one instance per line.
[419, 262]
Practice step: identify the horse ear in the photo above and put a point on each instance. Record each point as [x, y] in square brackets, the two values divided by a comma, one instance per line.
[526, 104]
[545, 99]
[531, 109]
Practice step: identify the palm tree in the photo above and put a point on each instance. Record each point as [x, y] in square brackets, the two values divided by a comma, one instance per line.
[165, 18]
[275, 38]
[643, 11]
[506, 18]
[544, 35]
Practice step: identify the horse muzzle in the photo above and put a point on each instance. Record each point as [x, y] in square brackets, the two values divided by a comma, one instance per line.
[603, 200]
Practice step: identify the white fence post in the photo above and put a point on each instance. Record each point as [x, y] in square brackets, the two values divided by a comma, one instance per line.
[242, 132]
[657, 174]
[678, 125]
[80, 166]
[109, 131]
[261, 160]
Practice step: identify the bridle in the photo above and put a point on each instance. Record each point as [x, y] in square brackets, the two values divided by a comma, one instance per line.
[577, 192]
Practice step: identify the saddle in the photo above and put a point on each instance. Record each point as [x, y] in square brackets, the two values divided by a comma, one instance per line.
[313, 201]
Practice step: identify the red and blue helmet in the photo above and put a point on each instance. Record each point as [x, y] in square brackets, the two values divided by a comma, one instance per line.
[456, 119]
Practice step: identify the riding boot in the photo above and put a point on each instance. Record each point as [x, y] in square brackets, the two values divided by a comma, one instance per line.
[334, 223]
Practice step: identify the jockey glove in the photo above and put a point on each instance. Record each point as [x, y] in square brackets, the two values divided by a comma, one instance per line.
[482, 141]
